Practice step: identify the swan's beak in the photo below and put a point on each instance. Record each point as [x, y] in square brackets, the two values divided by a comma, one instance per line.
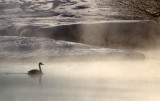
[42, 64]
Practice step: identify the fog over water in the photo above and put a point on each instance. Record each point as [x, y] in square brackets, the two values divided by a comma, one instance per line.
[115, 80]
[89, 53]
[98, 80]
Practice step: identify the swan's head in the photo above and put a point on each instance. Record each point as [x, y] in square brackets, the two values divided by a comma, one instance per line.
[40, 63]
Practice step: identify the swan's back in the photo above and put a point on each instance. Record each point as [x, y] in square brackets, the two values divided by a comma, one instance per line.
[34, 72]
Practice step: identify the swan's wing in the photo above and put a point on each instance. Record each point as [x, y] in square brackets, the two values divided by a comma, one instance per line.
[33, 71]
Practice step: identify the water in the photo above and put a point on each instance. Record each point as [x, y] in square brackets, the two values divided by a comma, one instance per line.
[82, 81]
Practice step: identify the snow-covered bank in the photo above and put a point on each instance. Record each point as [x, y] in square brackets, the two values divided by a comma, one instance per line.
[19, 48]
[117, 34]
[50, 12]
[74, 20]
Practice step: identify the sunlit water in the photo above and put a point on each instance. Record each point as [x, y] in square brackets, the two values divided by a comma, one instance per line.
[82, 81]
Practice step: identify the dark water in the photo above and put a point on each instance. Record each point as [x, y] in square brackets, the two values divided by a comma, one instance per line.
[82, 81]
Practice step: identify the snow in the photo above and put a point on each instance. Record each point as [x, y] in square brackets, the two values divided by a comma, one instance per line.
[13, 48]
[113, 34]
[55, 12]
[67, 20]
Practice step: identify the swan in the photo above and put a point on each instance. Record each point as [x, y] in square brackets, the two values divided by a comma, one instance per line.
[35, 71]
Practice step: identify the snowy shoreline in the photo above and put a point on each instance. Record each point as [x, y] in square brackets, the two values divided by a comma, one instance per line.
[27, 48]
[114, 34]
[78, 21]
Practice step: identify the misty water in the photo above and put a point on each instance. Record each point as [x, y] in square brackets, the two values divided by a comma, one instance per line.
[123, 80]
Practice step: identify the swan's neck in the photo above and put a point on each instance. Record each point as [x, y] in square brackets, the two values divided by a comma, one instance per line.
[40, 68]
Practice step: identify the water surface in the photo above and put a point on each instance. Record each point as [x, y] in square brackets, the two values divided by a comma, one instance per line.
[82, 81]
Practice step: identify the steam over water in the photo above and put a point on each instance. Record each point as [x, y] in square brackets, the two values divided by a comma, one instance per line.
[75, 40]
[101, 80]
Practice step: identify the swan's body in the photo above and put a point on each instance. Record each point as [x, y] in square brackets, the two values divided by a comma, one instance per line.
[35, 71]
